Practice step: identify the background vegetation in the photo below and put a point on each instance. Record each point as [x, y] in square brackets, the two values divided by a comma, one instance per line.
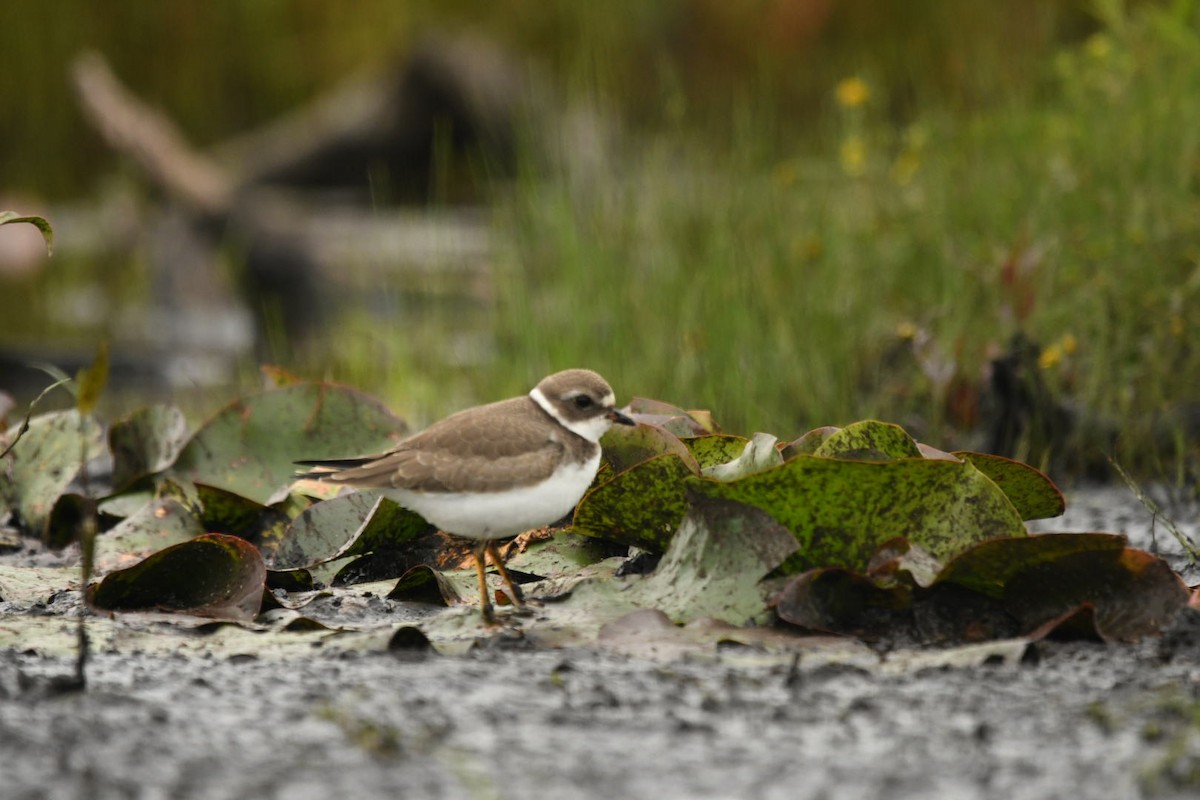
[819, 210]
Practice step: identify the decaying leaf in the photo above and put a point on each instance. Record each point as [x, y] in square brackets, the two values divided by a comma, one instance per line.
[250, 446]
[145, 442]
[44, 463]
[213, 575]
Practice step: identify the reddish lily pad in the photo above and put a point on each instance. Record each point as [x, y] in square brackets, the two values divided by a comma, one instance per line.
[249, 447]
[807, 444]
[213, 575]
[835, 600]
[1042, 578]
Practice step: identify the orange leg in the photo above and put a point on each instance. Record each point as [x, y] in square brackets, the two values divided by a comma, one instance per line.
[513, 590]
[485, 596]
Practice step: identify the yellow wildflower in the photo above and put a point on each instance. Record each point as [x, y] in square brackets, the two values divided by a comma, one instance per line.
[852, 92]
[853, 155]
[1068, 343]
[1050, 356]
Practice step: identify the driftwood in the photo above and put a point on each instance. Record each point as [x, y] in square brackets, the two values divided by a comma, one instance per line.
[295, 198]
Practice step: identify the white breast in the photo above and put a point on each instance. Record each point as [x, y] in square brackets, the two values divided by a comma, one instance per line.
[496, 515]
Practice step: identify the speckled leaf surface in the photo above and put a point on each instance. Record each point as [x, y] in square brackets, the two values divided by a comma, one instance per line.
[322, 531]
[869, 440]
[43, 463]
[624, 446]
[250, 445]
[213, 575]
[641, 506]
[1032, 493]
[715, 448]
[842, 511]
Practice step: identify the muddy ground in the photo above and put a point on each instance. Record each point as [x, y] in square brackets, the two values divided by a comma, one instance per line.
[1069, 719]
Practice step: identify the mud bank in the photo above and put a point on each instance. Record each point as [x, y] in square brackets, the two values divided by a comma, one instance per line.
[1069, 719]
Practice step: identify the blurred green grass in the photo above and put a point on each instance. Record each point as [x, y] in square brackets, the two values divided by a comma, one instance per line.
[795, 232]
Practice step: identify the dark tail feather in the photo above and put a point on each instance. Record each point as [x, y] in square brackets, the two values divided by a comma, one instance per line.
[328, 466]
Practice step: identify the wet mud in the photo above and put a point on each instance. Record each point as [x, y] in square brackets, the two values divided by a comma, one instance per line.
[1070, 719]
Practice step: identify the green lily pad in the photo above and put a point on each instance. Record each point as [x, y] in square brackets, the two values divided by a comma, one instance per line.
[249, 447]
[715, 448]
[213, 575]
[626, 446]
[351, 525]
[869, 440]
[1032, 493]
[43, 464]
[146, 442]
[641, 506]
[564, 551]
[842, 511]
[712, 568]
[159, 524]
[760, 453]
[424, 584]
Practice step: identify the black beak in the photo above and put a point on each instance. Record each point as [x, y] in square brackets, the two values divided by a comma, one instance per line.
[619, 418]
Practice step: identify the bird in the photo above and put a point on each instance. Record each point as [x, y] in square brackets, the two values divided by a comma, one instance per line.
[496, 470]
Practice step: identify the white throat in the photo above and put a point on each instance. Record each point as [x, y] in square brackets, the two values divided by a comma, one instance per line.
[591, 429]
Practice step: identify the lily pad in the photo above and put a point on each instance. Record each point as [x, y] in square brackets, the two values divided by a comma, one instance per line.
[1130, 593]
[351, 525]
[869, 440]
[626, 446]
[839, 601]
[146, 442]
[564, 551]
[712, 568]
[760, 453]
[842, 511]
[641, 506]
[1032, 493]
[43, 464]
[159, 524]
[249, 447]
[807, 444]
[715, 448]
[213, 575]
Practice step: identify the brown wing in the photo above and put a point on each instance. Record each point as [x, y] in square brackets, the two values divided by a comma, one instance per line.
[480, 449]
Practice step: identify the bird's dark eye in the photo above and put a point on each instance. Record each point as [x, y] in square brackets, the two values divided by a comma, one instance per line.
[582, 401]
